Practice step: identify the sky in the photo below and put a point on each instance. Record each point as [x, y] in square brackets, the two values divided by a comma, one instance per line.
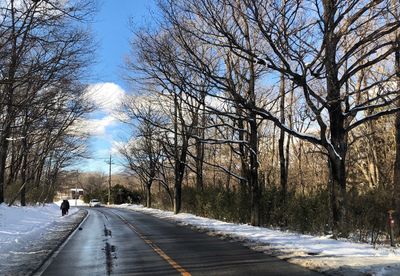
[31, 225]
[112, 28]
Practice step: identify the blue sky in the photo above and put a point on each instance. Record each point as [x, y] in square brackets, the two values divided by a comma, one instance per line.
[112, 32]
[112, 29]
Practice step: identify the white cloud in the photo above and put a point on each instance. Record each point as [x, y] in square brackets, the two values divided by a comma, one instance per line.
[94, 127]
[107, 96]
[98, 126]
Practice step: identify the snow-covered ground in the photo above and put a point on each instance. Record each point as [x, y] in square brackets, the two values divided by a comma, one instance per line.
[336, 257]
[19, 224]
[20, 227]
[25, 233]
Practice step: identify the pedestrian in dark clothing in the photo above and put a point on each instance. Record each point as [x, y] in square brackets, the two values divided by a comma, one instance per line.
[64, 207]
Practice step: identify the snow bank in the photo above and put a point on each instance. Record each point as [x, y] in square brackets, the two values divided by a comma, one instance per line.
[21, 224]
[29, 234]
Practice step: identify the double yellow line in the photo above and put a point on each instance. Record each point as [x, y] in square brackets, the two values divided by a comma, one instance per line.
[157, 249]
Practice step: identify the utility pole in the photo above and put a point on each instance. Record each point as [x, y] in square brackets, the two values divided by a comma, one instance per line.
[176, 185]
[76, 188]
[109, 182]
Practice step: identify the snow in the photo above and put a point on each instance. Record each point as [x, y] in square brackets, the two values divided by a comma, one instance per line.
[20, 225]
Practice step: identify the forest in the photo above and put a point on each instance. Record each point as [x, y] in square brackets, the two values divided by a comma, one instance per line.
[45, 48]
[274, 113]
[278, 113]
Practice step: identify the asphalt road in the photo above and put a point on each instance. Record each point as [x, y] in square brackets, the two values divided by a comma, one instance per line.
[122, 242]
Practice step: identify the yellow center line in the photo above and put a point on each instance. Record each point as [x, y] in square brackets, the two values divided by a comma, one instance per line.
[156, 249]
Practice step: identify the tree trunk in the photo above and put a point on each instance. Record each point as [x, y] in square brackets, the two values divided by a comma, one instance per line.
[3, 158]
[338, 148]
[228, 175]
[253, 173]
[338, 194]
[177, 186]
[337, 157]
[180, 160]
[281, 142]
[199, 164]
[24, 163]
[8, 97]
[396, 173]
[177, 198]
[24, 179]
[243, 154]
[200, 147]
[148, 195]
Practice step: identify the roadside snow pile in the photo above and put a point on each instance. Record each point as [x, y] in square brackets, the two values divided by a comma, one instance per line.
[21, 224]
[339, 257]
[29, 234]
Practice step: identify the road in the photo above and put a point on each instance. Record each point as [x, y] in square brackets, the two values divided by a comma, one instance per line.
[123, 242]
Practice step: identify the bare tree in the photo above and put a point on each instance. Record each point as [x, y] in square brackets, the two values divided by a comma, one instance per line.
[48, 49]
[313, 55]
[230, 78]
[171, 80]
[143, 152]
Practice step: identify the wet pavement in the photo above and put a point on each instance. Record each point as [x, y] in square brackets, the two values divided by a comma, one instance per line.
[123, 242]
[107, 246]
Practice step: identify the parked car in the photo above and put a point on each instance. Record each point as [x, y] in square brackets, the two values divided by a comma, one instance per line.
[94, 203]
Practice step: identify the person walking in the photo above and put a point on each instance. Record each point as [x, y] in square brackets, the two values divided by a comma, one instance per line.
[64, 207]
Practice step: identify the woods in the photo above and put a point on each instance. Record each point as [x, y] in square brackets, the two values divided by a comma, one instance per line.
[279, 113]
[44, 49]
[285, 109]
